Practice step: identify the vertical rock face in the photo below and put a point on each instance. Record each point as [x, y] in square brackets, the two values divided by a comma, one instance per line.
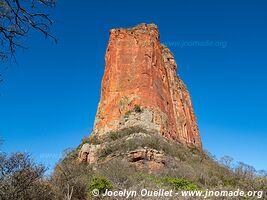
[140, 88]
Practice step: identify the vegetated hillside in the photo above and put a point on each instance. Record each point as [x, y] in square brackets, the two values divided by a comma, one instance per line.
[184, 168]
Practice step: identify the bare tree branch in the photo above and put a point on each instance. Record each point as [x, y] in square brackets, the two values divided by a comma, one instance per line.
[21, 178]
[17, 18]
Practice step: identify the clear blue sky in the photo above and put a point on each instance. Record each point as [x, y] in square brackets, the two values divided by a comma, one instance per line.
[48, 101]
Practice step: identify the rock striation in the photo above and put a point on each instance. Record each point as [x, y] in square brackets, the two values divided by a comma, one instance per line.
[140, 87]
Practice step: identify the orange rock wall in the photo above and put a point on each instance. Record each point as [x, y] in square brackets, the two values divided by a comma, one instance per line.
[140, 71]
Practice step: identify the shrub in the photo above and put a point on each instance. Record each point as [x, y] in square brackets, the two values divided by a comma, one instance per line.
[180, 169]
[179, 184]
[127, 114]
[122, 178]
[117, 142]
[131, 130]
[93, 139]
[21, 178]
[137, 109]
[85, 140]
[113, 135]
[100, 183]
[69, 174]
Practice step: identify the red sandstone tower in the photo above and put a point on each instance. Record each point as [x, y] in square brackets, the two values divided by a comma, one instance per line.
[141, 73]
